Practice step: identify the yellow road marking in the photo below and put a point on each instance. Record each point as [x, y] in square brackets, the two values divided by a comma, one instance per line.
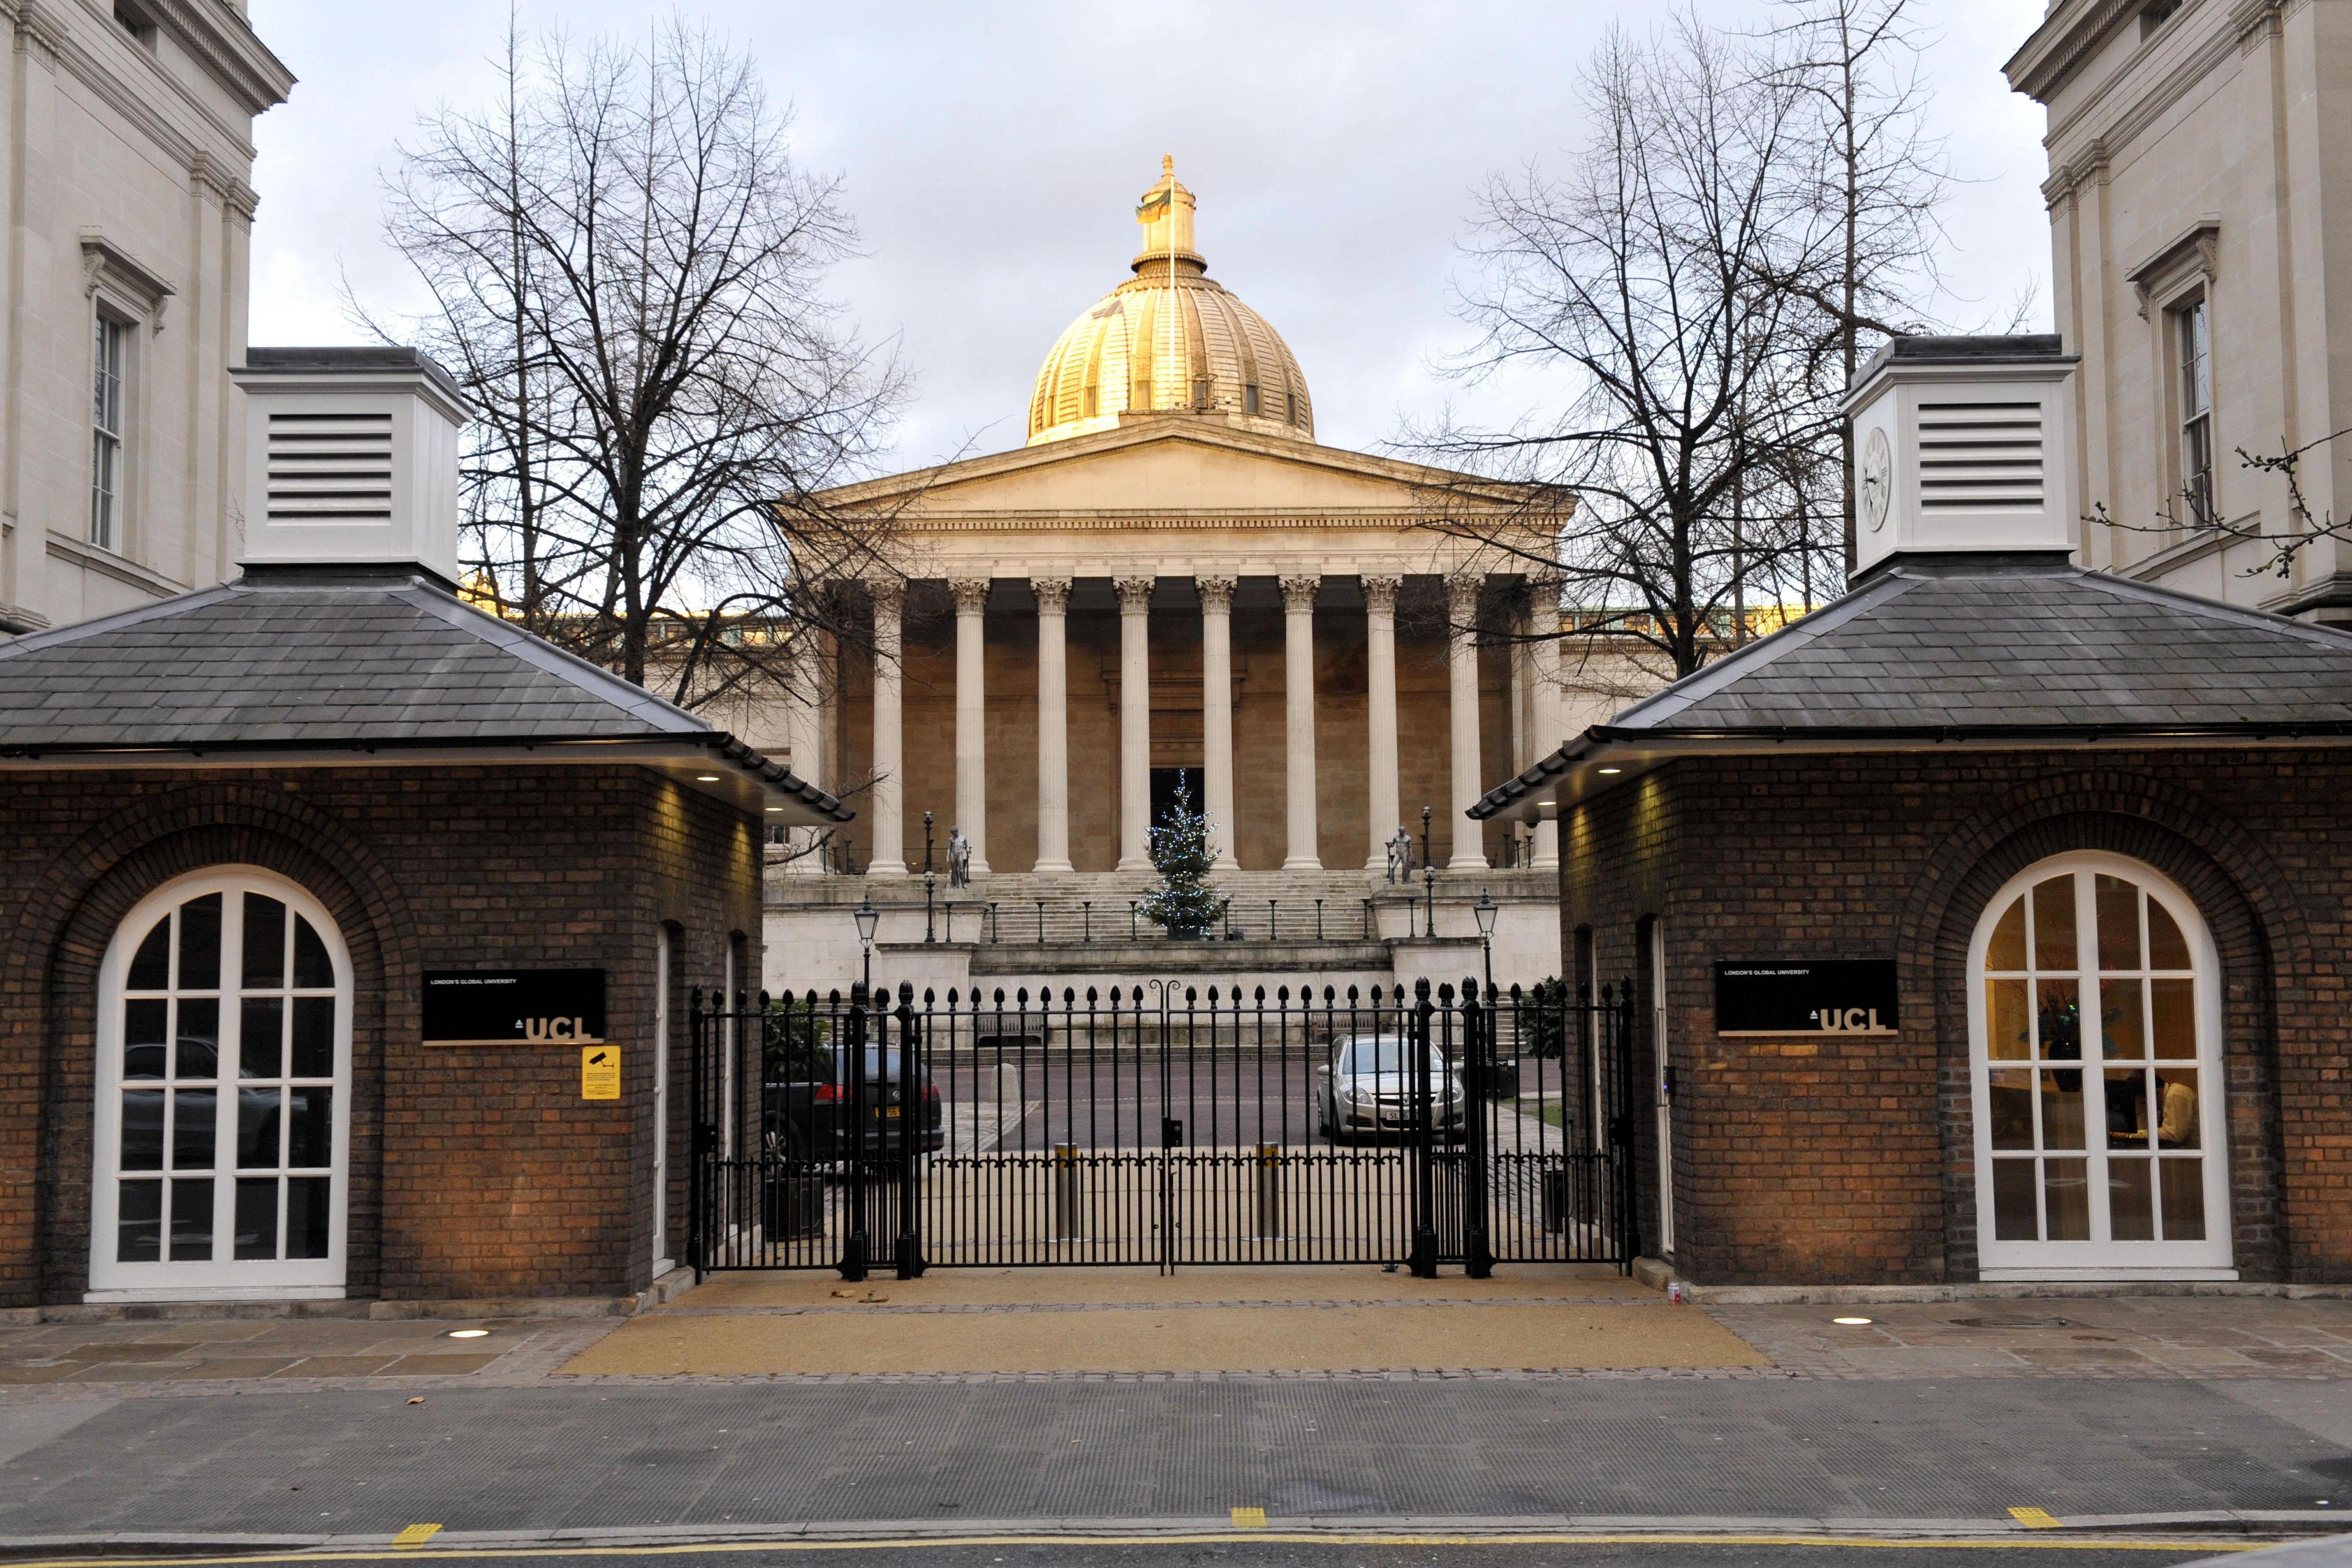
[2034, 1518]
[415, 1534]
[1249, 1519]
[1301, 1538]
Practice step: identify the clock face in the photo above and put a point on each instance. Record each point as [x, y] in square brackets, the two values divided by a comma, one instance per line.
[1877, 479]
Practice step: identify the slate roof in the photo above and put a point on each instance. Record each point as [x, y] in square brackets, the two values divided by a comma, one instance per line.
[1944, 649]
[291, 659]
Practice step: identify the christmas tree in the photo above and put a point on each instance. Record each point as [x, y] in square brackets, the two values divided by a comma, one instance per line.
[1182, 905]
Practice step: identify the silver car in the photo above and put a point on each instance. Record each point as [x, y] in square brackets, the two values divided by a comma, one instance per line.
[1366, 1089]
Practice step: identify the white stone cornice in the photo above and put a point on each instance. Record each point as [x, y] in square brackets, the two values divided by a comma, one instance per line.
[228, 48]
[37, 33]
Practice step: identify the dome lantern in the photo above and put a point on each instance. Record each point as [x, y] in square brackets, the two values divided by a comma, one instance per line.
[1169, 340]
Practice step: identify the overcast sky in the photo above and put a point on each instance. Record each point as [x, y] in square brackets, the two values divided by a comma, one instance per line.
[992, 153]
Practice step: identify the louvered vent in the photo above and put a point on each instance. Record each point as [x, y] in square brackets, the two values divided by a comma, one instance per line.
[1980, 457]
[330, 468]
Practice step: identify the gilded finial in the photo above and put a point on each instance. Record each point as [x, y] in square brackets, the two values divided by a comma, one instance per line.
[1167, 163]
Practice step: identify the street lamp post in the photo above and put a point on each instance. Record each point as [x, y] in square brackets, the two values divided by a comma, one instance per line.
[868, 918]
[1485, 910]
[1428, 879]
[930, 881]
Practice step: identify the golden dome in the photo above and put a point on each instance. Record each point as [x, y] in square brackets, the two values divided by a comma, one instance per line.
[1177, 344]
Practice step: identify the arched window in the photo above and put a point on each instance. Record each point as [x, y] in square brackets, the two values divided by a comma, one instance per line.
[222, 1116]
[2095, 1022]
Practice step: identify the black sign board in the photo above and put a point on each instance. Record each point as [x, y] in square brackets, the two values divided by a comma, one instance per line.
[1832, 997]
[514, 1006]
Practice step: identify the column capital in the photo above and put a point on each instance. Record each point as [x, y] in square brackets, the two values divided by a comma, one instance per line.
[1134, 593]
[1299, 592]
[1053, 593]
[888, 592]
[971, 594]
[1217, 593]
[1461, 591]
[1380, 592]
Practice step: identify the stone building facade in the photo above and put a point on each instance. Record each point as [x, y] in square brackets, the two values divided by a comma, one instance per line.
[129, 204]
[2192, 179]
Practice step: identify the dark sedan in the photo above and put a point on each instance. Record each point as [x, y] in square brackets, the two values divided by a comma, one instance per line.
[812, 1118]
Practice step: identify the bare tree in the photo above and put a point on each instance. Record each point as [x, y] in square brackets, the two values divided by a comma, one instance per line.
[1750, 215]
[627, 272]
[1667, 283]
[1881, 184]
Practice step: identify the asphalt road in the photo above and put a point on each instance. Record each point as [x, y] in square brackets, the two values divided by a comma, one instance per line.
[1600, 1454]
[1365, 1553]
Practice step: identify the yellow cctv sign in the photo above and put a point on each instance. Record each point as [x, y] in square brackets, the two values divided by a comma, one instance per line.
[600, 1072]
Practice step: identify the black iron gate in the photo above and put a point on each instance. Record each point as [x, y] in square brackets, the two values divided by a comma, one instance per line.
[1155, 1125]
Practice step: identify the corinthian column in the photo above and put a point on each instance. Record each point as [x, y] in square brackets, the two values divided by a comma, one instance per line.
[1298, 710]
[972, 716]
[1462, 664]
[801, 730]
[1134, 724]
[1217, 713]
[1546, 703]
[889, 856]
[1052, 723]
[1379, 668]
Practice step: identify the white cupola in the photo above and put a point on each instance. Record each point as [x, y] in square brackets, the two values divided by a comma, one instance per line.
[1961, 445]
[351, 459]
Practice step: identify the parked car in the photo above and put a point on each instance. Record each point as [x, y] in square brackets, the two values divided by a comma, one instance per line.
[1366, 1089]
[809, 1118]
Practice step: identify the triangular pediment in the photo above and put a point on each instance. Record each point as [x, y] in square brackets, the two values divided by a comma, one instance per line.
[1165, 466]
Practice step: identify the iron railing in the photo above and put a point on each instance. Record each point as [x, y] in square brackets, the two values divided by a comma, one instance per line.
[1164, 1125]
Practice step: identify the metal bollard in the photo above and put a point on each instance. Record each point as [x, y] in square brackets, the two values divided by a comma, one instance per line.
[1066, 1192]
[1269, 1190]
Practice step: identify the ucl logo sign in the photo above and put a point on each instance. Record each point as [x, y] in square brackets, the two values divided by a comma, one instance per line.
[1833, 996]
[514, 1006]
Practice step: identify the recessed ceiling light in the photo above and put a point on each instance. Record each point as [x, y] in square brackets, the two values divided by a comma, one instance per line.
[1610, 770]
[1853, 1322]
[467, 1333]
[706, 778]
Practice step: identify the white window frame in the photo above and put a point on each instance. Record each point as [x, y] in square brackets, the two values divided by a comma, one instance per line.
[2191, 319]
[660, 1217]
[2102, 1257]
[1662, 1068]
[221, 1278]
[109, 445]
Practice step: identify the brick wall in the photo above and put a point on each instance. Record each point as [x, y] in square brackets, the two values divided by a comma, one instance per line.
[474, 1171]
[1852, 1161]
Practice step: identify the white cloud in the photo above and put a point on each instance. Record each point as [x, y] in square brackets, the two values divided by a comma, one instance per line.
[992, 154]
